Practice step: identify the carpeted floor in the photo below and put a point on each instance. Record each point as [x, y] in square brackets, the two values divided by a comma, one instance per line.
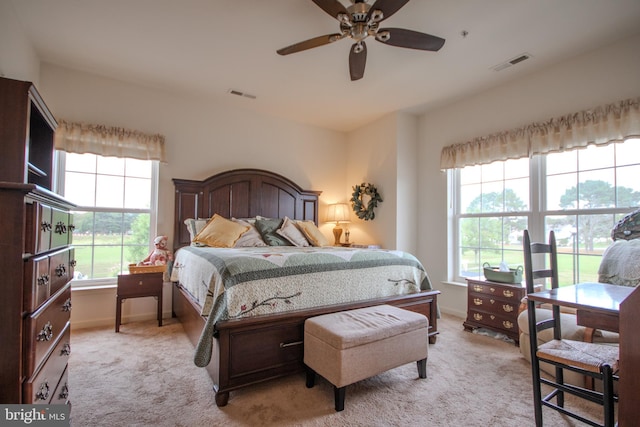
[144, 376]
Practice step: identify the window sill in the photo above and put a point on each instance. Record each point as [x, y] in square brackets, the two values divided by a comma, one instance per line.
[446, 282]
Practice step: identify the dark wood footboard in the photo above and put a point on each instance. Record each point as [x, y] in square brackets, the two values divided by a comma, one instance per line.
[255, 349]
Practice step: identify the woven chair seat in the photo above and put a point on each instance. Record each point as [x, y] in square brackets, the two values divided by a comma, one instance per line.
[584, 355]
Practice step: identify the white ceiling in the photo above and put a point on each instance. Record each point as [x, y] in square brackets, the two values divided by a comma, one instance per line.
[212, 46]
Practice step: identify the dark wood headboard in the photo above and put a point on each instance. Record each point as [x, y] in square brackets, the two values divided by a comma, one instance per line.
[240, 193]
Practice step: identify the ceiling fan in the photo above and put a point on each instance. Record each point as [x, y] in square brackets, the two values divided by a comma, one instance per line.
[361, 20]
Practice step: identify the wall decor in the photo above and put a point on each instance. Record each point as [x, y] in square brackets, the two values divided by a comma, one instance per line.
[360, 194]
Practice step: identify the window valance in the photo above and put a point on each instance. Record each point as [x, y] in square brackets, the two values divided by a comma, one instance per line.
[108, 141]
[600, 126]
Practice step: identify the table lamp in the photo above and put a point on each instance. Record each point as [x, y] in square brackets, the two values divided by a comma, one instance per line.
[338, 212]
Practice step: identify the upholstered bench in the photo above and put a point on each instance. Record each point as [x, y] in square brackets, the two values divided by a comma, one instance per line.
[349, 346]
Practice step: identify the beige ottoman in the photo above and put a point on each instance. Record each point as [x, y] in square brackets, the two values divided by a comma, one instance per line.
[349, 346]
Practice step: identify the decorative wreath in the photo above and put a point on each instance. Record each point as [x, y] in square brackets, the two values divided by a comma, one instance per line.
[357, 204]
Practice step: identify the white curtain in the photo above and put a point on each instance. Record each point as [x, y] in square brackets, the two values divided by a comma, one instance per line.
[108, 141]
[599, 126]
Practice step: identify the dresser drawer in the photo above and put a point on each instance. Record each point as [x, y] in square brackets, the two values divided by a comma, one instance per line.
[60, 268]
[37, 282]
[136, 285]
[267, 348]
[505, 292]
[61, 394]
[491, 304]
[61, 228]
[44, 328]
[38, 227]
[39, 388]
[497, 322]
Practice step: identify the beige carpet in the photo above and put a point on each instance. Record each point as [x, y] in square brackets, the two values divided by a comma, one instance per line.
[144, 376]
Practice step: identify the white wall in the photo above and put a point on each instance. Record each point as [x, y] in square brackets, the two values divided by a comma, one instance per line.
[603, 76]
[18, 59]
[202, 138]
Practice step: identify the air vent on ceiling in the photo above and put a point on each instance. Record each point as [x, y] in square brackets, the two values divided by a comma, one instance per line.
[239, 93]
[513, 61]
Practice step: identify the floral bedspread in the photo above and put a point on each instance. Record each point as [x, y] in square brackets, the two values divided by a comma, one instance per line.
[241, 282]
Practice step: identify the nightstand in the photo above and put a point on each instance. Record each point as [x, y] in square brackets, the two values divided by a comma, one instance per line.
[494, 306]
[138, 286]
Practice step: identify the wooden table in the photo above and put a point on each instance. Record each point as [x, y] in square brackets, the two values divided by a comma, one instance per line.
[598, 306]
[138, 286]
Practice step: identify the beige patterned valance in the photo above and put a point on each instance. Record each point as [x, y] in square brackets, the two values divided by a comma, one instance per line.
[599, 126]
[108, 141]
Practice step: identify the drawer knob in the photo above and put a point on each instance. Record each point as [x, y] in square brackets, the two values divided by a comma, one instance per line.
[507, 324]
[477, 288]
[477, 316]
[46, 333]
[477, 301]
[290, 344]
[43, 393]
[66, 307]
[61, 228]
[61, 270]
[66, 349]
[64, 392]
[508, 294]
[43, 280]
[73, 263]
[508, 308]
[45, 226]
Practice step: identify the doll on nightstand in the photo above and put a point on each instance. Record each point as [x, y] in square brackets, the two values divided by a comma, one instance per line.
[160, 255]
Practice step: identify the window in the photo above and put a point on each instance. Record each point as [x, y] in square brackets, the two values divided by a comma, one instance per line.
[114, 217]
[580, 194]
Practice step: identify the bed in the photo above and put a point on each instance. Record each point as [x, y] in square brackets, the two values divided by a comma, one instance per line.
[244, 308]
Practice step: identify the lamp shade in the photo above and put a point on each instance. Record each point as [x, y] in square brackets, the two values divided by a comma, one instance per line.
[338, 213]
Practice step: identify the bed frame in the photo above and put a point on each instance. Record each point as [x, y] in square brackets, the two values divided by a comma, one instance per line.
[251, 350]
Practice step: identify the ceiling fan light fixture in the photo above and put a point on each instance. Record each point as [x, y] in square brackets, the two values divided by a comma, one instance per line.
[383, 36]
[376, 16]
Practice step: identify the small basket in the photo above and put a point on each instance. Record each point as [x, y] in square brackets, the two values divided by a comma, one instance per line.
[514, 275]
[136, 269]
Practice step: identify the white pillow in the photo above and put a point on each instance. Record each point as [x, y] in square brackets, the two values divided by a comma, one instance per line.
[292, 233]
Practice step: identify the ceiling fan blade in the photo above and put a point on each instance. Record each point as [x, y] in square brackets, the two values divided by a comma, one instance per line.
[388, 7]
[311, 43]
[357, 60]
[411, 39]
[332, 7]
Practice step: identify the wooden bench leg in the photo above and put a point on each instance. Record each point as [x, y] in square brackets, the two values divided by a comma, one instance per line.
[339, 393]
[422, 368]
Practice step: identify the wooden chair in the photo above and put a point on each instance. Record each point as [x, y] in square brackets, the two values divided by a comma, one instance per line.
[592, 360]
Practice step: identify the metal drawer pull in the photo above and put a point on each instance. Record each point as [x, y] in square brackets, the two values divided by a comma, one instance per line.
[45, 226]
[67, 305]
[508, 294]
[290, 344]
[72, 263]
[43, 280]
[66, 349]
[64, 392]
[43, 393]
[477, 301]
[477, 288]
[508, 308]
[507, 324]
[477, 316]
[61, 270]
[61, 228]
[46, 333]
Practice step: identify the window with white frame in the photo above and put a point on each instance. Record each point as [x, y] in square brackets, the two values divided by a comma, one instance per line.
[580, 194]
[114, 218]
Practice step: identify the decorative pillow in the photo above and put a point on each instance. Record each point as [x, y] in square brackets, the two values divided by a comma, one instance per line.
[267, 228]
[312, 233]
[289, 231]
[251, 238]
[220, 233]
[194, 226]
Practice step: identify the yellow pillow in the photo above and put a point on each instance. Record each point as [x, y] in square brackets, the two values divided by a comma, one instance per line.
[312, 233]
[220, 233]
